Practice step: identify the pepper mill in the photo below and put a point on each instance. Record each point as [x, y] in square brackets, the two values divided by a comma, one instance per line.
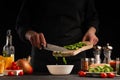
[97, 52]
[107, 50]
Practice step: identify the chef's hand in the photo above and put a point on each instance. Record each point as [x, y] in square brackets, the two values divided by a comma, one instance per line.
[36, 39]
[90, 36]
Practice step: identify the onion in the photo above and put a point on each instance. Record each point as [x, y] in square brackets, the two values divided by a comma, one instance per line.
[25, 65]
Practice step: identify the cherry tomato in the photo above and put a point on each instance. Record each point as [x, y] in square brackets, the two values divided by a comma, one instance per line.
[13, 67]
[82, 73]
[10, 73]
[14, 63]
[8, 68]
[17, 68]
[21, 73]
[111, 75]
[103, 75]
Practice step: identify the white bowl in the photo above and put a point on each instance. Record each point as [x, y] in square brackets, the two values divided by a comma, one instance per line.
[60, 69]
[16, 72]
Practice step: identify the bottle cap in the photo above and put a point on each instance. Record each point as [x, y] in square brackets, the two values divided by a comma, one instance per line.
[97, 47]
[108, 47]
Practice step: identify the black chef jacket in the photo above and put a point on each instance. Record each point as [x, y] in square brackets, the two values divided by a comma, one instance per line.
[62, 22]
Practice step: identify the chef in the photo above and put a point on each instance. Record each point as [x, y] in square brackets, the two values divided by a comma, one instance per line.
[59, 22]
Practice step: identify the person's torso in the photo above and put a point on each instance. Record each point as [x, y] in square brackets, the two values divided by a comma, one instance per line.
[60, 20]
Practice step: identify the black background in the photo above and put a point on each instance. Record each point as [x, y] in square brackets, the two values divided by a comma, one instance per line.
[108, 11]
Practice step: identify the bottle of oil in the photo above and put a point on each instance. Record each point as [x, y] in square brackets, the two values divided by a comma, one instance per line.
[8, 48]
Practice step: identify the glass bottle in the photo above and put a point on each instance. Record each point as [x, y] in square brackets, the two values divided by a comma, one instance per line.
[84, 64]
[92, 61]
[117, 66]
[8, 48]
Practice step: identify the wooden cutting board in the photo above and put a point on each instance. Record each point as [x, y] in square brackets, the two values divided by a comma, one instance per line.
[74, 52]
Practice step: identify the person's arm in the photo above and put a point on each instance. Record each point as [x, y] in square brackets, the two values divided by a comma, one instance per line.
[91, 16]
[23, 20]
[91, 23]
[36, 39]
[27, 27]
[90, 35]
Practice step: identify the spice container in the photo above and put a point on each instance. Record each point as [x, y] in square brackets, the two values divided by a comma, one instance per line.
[84, 64]
[92, 61]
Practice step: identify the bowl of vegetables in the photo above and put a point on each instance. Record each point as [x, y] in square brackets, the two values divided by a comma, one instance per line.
[60, 69]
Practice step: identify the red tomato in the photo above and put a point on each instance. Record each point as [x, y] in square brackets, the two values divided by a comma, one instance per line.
[82, 73]
[14, 63]
[17, 68]
[13, 67]
[8, 68]
[103, 75]
[111, 75]
[10, 73]
[20, 73]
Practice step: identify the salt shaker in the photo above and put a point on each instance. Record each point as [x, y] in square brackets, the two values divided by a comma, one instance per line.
[107, 50]
[97, 52]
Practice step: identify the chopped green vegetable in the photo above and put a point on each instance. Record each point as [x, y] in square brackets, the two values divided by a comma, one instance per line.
[64, 60]
[69, 47]
[56, 57]
[105, 68]
[75, 46]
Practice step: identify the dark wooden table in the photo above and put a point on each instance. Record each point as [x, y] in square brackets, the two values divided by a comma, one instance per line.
[54, 77]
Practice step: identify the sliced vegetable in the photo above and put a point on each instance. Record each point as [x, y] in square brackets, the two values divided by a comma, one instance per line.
[64, 60]
[105, 68]
[75, 46]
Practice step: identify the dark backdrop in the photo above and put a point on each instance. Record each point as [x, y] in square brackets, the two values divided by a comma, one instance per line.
[108, 29]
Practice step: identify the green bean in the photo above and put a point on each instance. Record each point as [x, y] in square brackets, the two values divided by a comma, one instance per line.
[64, 60]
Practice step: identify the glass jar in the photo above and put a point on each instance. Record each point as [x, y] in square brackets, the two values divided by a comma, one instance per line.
[118, 66]
[84, 64]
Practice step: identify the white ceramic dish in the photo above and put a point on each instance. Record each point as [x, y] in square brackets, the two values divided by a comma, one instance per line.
[60, 69]
[16, 72]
